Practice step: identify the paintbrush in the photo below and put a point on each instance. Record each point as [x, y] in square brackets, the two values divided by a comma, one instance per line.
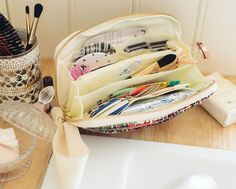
[38, 8]
[27, 19]
[167, 62]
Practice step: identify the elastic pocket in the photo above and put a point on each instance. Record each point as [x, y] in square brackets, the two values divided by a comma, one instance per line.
[186, 74]
[76, 109]
[116, 72]
[63, 85]
[74, 91]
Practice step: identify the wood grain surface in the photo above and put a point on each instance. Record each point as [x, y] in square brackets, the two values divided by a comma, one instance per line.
[33, 178]
[194, 127]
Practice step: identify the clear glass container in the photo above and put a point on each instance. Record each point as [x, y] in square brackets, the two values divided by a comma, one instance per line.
[28, 123]
[16, 168]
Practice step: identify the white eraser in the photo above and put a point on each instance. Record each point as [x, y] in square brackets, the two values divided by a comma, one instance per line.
[222, 104]
[10, 154]
[7, 134]
[9, 146]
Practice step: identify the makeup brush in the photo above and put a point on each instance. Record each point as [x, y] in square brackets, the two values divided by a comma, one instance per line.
[38, 8]
[27, 19]
[167, 62]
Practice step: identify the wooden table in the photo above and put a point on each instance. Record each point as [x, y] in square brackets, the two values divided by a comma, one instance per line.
[194, 127]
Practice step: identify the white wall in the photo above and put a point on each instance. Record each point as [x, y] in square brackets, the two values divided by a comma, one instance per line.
[211, 21]
[3, 8]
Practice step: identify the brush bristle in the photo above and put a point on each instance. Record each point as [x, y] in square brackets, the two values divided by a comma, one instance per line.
[10, 41]
[166, 60]
[38, 8]
[27, 10]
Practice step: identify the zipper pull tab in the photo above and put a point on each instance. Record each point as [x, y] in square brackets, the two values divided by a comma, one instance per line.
[199, 52]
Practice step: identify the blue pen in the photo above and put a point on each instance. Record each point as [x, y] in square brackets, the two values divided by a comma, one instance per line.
[104, 107]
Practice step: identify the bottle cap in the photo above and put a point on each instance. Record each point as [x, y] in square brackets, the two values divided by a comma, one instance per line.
[47, 81]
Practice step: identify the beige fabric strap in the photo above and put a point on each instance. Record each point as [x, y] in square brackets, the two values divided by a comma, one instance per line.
[70, 152]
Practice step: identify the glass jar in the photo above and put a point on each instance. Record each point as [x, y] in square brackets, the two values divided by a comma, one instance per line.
[28, 123]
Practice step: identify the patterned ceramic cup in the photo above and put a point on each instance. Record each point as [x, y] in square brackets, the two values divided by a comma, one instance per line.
[20, 75]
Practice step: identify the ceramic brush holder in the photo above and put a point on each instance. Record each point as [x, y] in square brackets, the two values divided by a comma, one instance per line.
[20, 75]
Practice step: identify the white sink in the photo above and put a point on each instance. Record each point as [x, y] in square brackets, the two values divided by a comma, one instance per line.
[129, 164]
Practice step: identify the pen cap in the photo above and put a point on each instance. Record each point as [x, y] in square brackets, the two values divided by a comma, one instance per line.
[47, 81]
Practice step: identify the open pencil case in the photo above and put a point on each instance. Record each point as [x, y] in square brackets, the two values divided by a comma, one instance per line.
[125, 54]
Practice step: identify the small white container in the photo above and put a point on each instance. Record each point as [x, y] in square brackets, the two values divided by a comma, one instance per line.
[222, 104]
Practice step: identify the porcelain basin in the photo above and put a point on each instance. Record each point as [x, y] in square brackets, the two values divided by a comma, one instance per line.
[129, 164]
